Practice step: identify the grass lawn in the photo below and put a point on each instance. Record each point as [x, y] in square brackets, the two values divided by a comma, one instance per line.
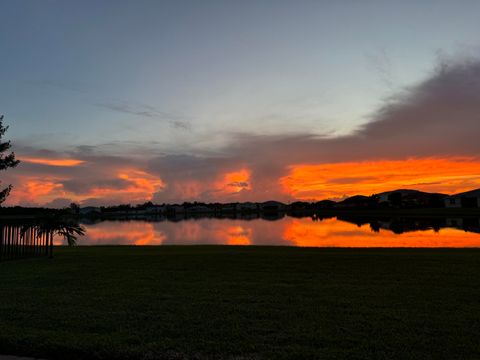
[219, 302]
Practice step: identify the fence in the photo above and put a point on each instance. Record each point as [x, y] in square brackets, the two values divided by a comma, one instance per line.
[24, 240]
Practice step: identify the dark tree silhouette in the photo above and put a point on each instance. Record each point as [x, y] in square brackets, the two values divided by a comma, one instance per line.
[60, 223]
[6, 160]
[63, 225]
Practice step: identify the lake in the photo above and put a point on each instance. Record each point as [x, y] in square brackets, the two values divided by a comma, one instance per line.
[288, 231]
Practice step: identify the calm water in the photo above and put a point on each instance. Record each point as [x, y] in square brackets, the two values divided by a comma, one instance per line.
[331, 232]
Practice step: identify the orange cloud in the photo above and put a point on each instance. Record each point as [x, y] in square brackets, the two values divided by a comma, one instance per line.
[234, 181]
[448, 175]
[36, 190]
[52, 162]
[138, 186]
[218, 188]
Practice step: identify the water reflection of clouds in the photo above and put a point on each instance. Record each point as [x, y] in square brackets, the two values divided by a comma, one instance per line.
[222, 231]
[122, 233]
[287, 231]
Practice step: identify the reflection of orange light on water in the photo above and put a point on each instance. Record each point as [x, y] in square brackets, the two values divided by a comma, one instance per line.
[288, 231]
[237, 235]
[334, 233]
[449, 175]
[126, 233]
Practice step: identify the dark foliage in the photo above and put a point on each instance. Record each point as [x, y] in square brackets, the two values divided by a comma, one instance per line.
[6, 160]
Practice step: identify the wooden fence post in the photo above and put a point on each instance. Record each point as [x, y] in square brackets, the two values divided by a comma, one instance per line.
[51, 244]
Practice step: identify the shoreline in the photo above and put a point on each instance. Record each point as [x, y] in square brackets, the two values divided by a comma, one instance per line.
[419, 212]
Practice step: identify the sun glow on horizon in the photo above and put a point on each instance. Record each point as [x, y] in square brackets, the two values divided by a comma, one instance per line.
[308, 182]
[337, 180]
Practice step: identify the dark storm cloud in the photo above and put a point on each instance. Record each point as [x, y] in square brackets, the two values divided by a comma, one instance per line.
[200, 168]
[439, 117]
[84, 186]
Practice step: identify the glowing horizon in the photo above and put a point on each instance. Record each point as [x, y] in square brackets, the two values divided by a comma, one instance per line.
[335, 181]
[308, 182]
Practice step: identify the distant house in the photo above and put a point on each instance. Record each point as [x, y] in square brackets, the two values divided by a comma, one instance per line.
[355, 202]
[175, 209]
[155, 210]
[469, 199]
[410, 198]
[229, 208]
[325, 204]
[453, 202]
[454, 222]
[89, 210]
[272, 206]
[299, 206]
[198, 209]
[246, 207]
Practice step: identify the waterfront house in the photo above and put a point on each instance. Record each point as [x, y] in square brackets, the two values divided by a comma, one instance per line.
[89, 210]
[468, 199]
[272, 206]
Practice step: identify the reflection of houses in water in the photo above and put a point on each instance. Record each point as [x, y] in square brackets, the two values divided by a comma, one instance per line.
[248, 216]
[272, 216]
[467, 224]
[176, 217]
[228, 208]
[381, 224]
[454, 222]
[89, 211]
[198, 209]
[175, 210]
[399, 225]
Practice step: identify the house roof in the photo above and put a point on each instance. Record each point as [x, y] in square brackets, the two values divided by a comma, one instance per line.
[471, 193]
[406, 192]
[355, 199]
[273, 203]
[402, 191]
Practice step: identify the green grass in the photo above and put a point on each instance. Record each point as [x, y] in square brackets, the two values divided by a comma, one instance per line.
[216, 302]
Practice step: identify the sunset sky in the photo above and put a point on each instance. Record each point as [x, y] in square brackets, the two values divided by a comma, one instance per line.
[128, 101]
